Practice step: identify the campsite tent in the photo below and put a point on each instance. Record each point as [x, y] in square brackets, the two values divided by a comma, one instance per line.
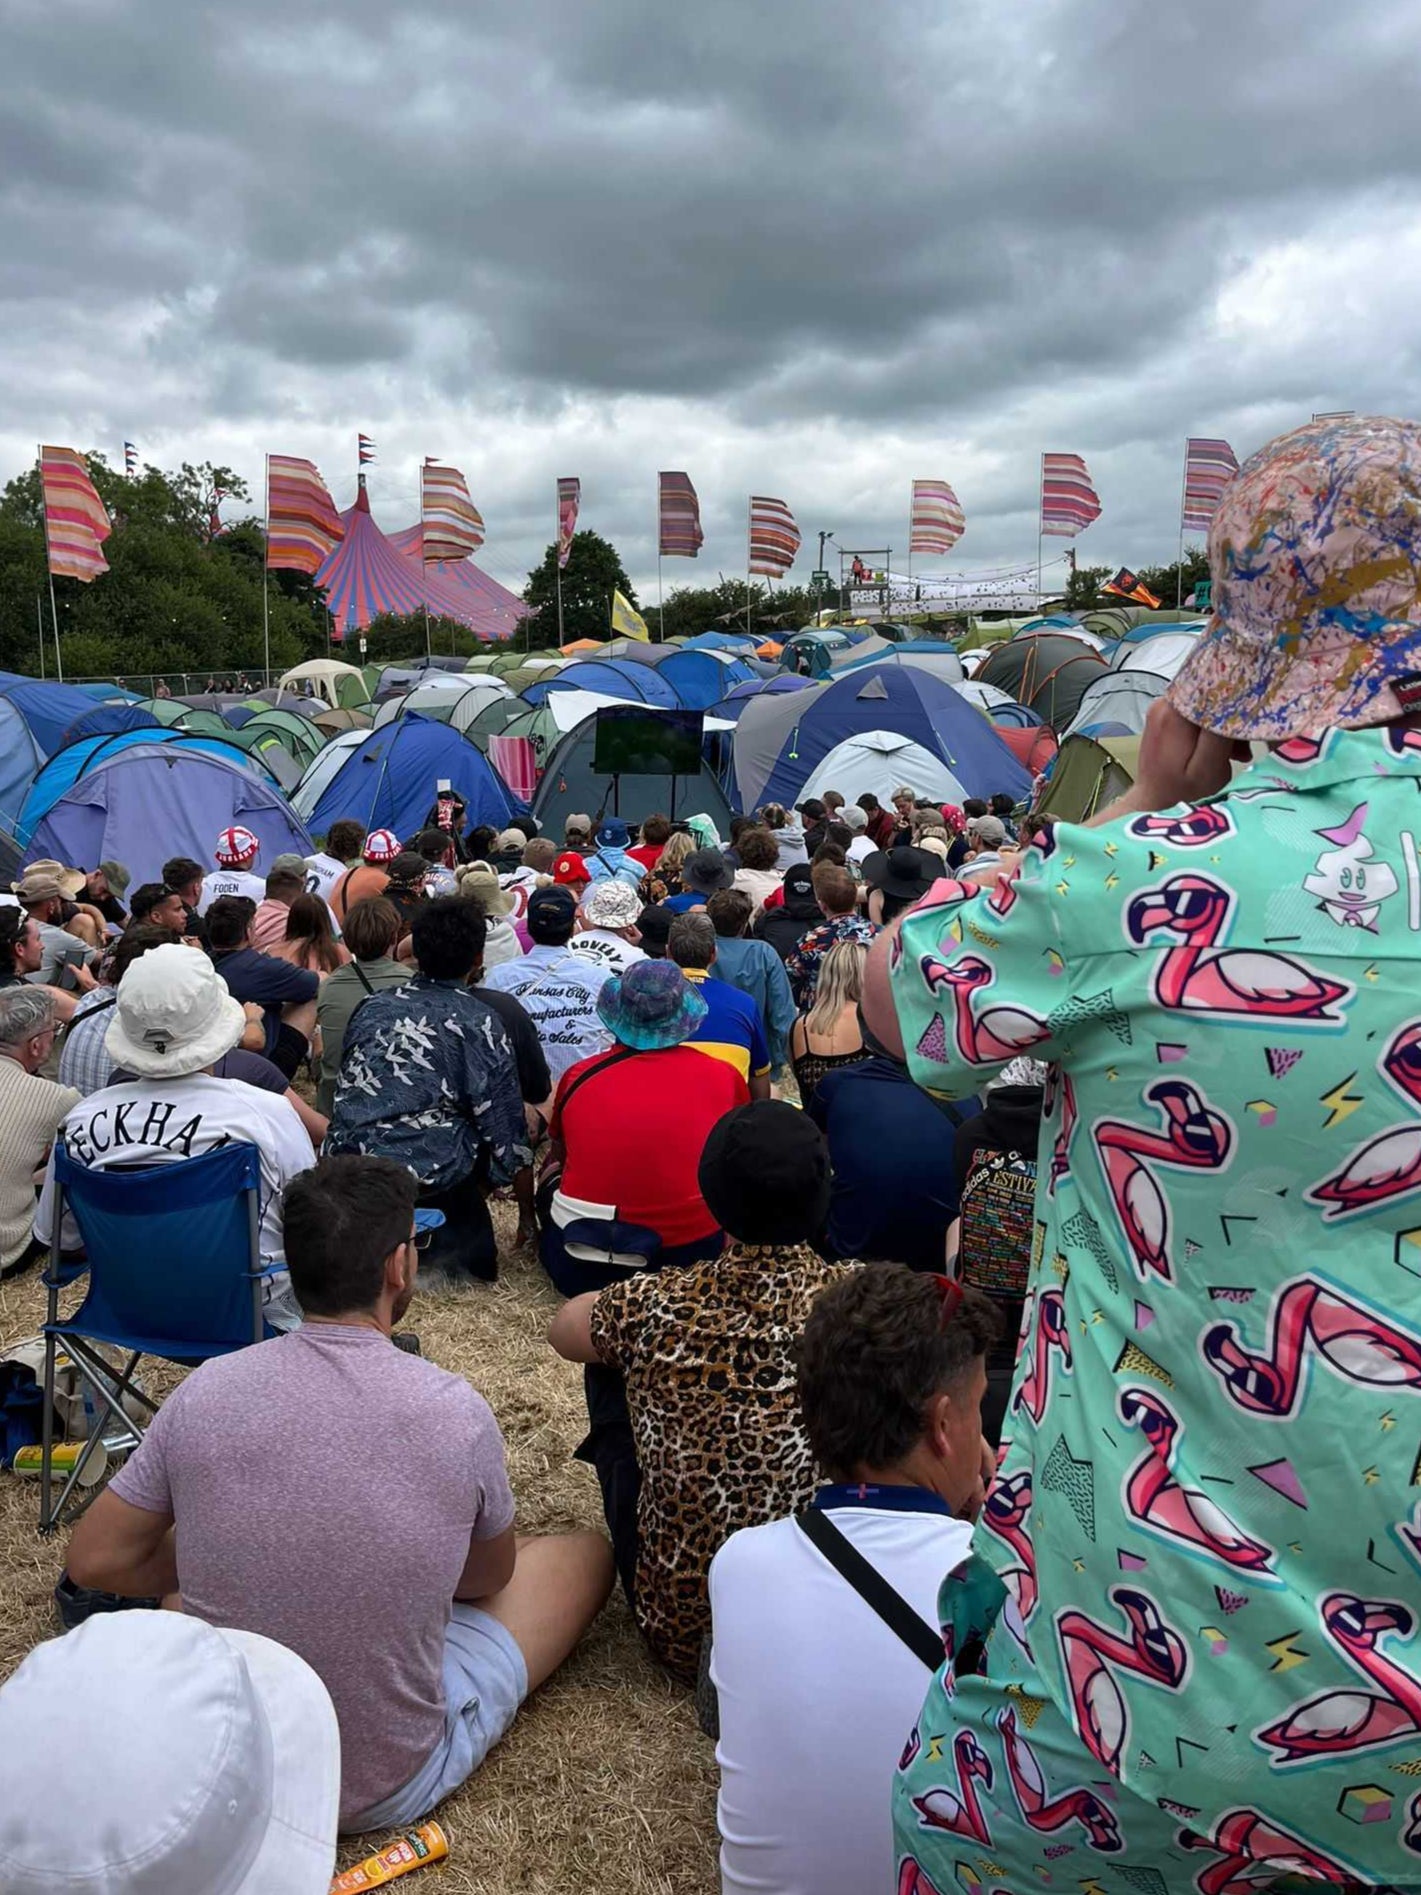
[20, 757]
[329, 679]
[450, 699]
[876, 760]
[387, 779]
[1163, 653]
[928, 654]
[613, 677]
[102, 719]
[48, 709]
[733, 704]
[702, 678]
[1121, 699]
[1047, 671]
[569, 783]
[143, 804]
[1089, 773]
[75, 760]
[780, 740]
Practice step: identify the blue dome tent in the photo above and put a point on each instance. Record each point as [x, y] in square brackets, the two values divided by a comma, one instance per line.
[48, 709]
[145, 803]
[20, 757]
[103, 719]
[75, 760]
[612, 677]
[732, 705]
[780, 740]
[702, 678]
[388, 779]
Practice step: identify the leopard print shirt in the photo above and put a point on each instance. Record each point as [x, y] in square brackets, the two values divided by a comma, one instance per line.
[707, 1355]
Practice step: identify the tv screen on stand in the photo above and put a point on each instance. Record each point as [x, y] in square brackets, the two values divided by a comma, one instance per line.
[645, 742]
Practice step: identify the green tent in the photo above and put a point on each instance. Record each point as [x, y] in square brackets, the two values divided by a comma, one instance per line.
[297, 735]
[1088, 773]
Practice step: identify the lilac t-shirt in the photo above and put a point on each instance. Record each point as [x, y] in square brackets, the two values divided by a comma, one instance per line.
[326, 1487]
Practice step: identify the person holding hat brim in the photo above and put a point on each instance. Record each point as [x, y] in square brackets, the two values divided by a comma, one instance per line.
[609, 936]
[236, 1784]
[172, 1021]
[707, 1354]
[1181, 960]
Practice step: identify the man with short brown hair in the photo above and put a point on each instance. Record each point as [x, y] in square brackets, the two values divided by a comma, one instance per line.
[837, 895]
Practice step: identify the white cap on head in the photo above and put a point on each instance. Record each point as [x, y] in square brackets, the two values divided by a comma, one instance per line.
[235, 1785]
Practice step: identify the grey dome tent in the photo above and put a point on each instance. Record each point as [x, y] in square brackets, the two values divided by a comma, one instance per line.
[569, 783]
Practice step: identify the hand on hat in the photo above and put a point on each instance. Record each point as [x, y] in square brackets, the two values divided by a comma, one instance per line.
[1179, 763]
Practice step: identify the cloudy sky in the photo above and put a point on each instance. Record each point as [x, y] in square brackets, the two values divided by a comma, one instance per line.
[812, 248]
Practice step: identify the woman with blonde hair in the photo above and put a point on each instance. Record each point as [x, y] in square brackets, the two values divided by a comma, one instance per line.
[828, 1035]
[665, 878]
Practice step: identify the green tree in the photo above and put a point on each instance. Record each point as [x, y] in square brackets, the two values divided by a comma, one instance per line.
[1164, 581]
[594, 571]
[1083, 588]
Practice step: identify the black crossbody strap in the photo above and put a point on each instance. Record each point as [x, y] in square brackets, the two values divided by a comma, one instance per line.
[871, 1586]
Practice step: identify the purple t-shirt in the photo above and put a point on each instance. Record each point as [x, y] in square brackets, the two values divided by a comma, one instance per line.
[326, 1487]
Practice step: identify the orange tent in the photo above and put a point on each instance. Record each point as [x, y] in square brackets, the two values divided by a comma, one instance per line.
[580, 644]
[769, 649]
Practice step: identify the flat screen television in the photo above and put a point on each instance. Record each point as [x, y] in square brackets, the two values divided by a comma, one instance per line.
[633, 741]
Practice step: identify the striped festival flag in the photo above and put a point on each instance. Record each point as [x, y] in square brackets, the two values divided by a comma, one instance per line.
[680, 524]
[569, 500]
[75, 522]
[1069, 501]
[774, 537]
[453, 525]
[130, 459]
[302, 525]
[1209, 466]
[364, 449]
[935, 523]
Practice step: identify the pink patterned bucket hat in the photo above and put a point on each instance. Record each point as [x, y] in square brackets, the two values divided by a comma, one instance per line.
[1315, 553]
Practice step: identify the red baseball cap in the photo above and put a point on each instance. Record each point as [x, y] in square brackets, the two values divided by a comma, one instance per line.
[570, 870]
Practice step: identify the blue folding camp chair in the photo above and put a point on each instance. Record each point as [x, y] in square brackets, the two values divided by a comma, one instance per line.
[174, 1271]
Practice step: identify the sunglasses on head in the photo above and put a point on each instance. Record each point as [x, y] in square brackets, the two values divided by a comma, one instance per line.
[949, 1292]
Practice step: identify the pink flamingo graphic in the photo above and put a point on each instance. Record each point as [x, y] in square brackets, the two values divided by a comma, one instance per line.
[1007, 1512]
[958, 1810]
[1195, 1137]
[995, 1034]
[1255, 1854]
[1002, 899]
[1049, 1331]
[1195, 829]
[1388, 1166]
[1301, 751]
[1200, 977]
[1184, 1514]
[913, 1879]
[1336, 1721]
[1153, 1651]
[1048, 1814]
[1354, 1342]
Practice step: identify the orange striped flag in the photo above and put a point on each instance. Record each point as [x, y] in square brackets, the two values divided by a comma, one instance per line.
[453, 525]
[302, 525]
[76, 523]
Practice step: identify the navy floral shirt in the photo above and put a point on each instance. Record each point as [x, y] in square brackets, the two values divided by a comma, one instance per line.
[804, 964]
[428, 1078]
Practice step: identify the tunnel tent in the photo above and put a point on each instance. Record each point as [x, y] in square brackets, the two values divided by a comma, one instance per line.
[1088, 774]
[388, 779]
[1047, 671]
[1122, 698]
[569, 783]
[297, 735]
[780, 739]
[447, 699]
[149, 802]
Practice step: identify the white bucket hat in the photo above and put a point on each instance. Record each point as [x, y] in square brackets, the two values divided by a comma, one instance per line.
[611, 904]
[174, 1015]
[235, 1786]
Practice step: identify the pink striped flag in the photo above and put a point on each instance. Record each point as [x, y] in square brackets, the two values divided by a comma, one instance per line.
[453, 525]
[1209, 466]
[569, 500]
[130, 459]
[302, 525]
[364, 448]
[1069, 501]
[935, 524]
[75, 521]
[774, 537]
[680, 524]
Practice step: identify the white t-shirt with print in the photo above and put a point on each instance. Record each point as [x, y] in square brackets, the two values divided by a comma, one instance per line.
[230, 882]
[606, 950]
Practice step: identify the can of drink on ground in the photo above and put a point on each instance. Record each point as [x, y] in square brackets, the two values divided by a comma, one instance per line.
[414, 1850]
[64, 1458]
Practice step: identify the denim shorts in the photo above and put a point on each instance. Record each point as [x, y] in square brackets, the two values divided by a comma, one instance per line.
[485, 1681]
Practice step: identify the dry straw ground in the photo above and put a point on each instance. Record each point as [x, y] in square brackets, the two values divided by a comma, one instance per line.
[604, 1785]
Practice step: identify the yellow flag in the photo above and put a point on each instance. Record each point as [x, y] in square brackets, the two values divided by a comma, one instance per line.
[627, 622]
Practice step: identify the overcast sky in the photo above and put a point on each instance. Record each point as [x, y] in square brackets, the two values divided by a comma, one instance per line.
[810, 248]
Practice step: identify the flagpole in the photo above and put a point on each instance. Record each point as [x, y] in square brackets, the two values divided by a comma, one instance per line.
[1040, 528]
[660, 586]
[39, 621]
[910, 553]
[1179, 569]
[557, 561]
[749, 523]
[49, 568]
[266, 587]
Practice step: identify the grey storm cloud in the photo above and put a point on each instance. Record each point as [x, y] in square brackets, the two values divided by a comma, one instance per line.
[817, 246]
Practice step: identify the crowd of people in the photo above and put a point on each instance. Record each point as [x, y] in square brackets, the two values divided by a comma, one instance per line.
[983, 1323]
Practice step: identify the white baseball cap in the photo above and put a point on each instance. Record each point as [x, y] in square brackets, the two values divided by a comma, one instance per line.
[233, 1786]
[174, 1014]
